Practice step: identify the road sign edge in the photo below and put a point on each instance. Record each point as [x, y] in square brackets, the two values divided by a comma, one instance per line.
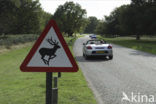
[32, 51]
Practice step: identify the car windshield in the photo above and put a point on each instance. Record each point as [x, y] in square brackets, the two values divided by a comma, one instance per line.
[96, 42]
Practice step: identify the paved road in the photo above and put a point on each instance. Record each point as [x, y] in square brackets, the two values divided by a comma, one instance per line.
[132, 72]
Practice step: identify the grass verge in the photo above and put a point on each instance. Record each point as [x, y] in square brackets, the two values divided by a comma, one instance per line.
[18, 87]
[146, 44]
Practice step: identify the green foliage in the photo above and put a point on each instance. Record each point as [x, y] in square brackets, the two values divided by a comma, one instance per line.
[142, 2]
[70, 18]
[134, 19]
[28, 17]
[99, 28]
[111, 26]
[44, 19]
[7, 16]
[92, 24]
[21, 17]
[10, 40]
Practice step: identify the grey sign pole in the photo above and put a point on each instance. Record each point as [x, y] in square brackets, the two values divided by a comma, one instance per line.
[49, 87]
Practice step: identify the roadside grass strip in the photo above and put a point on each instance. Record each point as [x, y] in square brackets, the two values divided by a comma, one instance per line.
[18, 87]
[146, 44]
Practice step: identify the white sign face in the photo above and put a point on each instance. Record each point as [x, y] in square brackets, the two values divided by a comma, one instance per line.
[50, 53]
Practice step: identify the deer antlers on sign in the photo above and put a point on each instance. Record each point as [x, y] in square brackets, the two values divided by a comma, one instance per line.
[52, 42]
[50, 52]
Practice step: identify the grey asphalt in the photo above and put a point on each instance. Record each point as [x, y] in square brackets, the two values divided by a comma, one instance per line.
[131, 72]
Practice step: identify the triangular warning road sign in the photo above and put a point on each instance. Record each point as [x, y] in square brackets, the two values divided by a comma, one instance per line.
[50, 53]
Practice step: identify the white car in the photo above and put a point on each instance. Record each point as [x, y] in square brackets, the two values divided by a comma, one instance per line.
[97, 48]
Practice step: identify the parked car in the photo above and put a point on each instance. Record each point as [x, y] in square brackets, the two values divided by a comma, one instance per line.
[92, 36]
[97, 48]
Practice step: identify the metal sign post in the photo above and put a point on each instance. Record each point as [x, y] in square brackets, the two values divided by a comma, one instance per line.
[55, 91]
[48, 87]
[51, 88]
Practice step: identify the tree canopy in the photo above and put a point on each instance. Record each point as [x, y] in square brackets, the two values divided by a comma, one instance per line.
[134, 19]
[21, 16]
[27, 16]
[70, 18]
[92, 24]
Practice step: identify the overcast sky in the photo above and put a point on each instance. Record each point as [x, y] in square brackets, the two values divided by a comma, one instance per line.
[97, 8]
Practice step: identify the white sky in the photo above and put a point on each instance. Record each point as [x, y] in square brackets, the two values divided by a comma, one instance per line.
[97, 8]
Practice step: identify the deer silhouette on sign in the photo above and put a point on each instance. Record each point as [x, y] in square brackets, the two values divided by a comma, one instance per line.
[50, 52]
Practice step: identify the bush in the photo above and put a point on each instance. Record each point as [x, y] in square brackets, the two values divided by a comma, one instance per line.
[10, 40]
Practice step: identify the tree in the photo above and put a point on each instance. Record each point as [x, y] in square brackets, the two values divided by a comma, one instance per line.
[149, 18]
[70, 17]
[135, 19]
[93, 22]
[111, 25]
[99, 28]
[21, 16]
[144, 16]
[127, 20]
[138, 2]
[44, 19]
[142, 2]
[7, 16]
[28, 17]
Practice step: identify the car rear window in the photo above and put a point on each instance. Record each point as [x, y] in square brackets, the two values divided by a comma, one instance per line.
[96, 42]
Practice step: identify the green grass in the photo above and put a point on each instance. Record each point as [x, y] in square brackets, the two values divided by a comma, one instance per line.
[146, 44]
[18, 87]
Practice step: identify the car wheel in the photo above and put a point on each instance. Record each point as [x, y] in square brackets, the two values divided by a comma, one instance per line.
[104, 57]
[85, 56]
[110, 57]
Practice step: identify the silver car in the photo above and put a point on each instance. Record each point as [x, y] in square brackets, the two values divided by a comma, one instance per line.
[97, 48]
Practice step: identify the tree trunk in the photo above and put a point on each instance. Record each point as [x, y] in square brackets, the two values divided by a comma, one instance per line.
[70, 34]
[137, 37]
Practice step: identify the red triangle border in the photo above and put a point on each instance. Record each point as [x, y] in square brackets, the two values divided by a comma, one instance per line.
[24, 67]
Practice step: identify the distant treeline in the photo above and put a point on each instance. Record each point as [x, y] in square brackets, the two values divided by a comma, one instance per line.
[27, 16]
[137, 19]
[22, 17]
